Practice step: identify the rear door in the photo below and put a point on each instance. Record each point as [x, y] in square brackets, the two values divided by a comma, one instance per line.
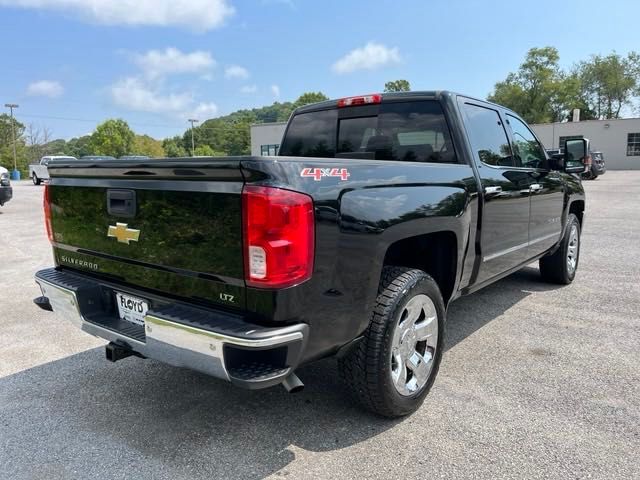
[546, 188]
[505, 211]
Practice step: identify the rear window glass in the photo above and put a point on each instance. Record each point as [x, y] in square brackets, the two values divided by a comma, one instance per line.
[410, 131]
[311, 135]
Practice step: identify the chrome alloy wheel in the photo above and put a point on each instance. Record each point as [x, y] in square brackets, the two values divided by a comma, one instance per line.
[414, 345]
[573, 249]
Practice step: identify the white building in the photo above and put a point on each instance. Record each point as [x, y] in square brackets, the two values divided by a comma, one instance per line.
[618, 140]
[266, 138]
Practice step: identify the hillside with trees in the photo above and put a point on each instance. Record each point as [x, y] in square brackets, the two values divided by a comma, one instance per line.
[231, 134]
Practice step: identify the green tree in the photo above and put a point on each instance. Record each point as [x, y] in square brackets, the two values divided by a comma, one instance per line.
[539, 90]
[56, 147]
[397, 86]
[309, 97]
[145, 145]
[112, 137]
[173, 147]
[6, 132]
[6, 144]
[207, 151]
[610, 83]
[79, 146]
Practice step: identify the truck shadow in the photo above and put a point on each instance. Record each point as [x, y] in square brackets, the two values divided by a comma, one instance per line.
[470, 313]
[155, 421]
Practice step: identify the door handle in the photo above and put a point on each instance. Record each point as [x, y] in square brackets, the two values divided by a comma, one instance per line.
[492, 190]
[536, 187]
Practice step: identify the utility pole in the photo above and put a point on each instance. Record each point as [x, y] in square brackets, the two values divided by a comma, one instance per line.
[11, 106]
[193, 143]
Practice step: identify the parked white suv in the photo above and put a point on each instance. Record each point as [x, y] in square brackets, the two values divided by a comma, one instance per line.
[38, 171]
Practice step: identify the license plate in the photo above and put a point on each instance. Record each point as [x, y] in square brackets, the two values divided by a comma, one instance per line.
[131, 309]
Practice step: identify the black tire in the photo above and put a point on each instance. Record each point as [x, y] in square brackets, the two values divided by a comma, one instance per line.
[556, 268]
[35, 179]
[367, 368]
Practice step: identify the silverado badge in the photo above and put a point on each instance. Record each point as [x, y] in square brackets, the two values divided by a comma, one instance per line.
[123, 234]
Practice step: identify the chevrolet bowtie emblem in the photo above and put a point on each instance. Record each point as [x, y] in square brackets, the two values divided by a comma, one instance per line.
[123, 234]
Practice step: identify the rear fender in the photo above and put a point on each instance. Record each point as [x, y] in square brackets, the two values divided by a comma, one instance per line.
[386, 216]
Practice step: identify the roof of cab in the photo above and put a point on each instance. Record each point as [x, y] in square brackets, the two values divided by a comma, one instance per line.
[422, 94]
[333, 103]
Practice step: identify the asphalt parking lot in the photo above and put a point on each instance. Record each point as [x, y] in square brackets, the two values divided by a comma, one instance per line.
[537, 381]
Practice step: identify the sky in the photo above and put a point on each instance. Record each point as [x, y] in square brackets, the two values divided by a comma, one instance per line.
[71, 64]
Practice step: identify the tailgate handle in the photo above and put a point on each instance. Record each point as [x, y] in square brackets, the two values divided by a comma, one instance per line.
[121, 203]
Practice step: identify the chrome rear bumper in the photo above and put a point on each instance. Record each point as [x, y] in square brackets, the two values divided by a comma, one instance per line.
[243, 353]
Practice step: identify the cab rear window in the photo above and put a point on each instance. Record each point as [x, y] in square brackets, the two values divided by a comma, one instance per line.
[413, 131]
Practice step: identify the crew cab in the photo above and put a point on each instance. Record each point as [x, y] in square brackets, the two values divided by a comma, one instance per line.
[39, 172]
[379, 211]
[6, 192]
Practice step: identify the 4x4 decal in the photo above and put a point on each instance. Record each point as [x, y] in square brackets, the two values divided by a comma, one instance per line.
[318, 173]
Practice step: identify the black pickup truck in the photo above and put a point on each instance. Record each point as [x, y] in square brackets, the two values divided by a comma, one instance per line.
[379, 212]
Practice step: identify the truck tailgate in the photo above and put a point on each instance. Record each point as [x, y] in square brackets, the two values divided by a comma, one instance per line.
[170, 226]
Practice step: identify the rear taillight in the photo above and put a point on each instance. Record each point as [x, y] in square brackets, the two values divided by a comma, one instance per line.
[360, 100]
[47, 212]
[278, 236]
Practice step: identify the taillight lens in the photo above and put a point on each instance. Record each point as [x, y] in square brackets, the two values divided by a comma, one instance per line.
[278, 236]
[47, 212]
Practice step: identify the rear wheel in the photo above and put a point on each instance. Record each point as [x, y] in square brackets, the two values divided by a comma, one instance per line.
[393, 368]
[35, 179]
[561, 267]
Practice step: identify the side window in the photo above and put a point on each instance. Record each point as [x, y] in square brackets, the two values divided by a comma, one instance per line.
[488, 136]
[525, 146]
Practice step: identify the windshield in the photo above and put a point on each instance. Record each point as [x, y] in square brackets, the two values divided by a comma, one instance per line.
[413, 131]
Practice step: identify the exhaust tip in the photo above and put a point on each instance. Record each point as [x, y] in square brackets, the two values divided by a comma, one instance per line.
[293, 384]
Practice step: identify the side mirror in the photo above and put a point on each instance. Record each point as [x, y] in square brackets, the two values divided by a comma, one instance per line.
[576, 152]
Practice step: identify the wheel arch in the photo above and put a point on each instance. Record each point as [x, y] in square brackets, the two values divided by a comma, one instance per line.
[577, 208]
[435, 253]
